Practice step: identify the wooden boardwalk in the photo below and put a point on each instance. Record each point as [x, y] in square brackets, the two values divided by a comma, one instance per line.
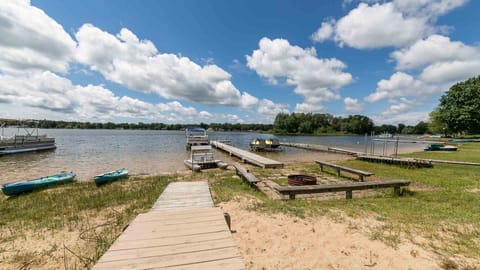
[184, 195]
[247, 156]
[182, 231]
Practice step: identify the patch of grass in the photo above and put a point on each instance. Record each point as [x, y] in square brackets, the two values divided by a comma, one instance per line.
[96, 214]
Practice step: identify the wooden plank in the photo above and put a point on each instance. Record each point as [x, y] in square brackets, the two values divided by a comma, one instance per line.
[248, 156]
[314, 147]
[232, 263]
[170, 260]
[344, 168]
[400, 161]
[170, 241]
[245, 174]
[173, 249]
[180, 220]
[449, 161]
[340, 187]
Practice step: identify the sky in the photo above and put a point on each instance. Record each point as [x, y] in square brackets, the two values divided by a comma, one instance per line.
[189, 61]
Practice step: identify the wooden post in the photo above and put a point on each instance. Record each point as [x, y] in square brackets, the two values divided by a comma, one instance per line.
[228, 220]
[396, 190]
[338, 172]
[291, 196]
[349, 194]
[321, 167]
[360, 177]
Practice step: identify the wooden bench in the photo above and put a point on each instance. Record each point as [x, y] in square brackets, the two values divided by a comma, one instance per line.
[245, 174]
[291, 191]
[338, 168]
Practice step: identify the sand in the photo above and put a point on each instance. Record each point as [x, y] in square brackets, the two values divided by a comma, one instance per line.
[278, 241]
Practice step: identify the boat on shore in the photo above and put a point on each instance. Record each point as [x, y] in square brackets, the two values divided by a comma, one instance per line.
[38, 183]
[270, 144]
[440, 147]
[202, 157]
[31, 141]
[196, 136]
[110, 176]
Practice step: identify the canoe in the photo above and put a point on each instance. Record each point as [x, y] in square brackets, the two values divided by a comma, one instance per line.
[42, 182]
[110, 176]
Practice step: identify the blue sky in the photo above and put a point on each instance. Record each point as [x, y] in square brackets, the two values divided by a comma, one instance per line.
[233, 61]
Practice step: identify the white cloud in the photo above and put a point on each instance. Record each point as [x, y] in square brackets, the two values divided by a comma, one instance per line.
[30, 40]
[427, 8]
[268, 107]
[138, 65]
[205, 115]
[451, 71]
[50, 92]
[400, 106]
[316, 79]
[352, 105]
[398, 23]
[408, 118]
[434, 49]
[401, 84]
[324, 32]
[306, 107]
[438, 62]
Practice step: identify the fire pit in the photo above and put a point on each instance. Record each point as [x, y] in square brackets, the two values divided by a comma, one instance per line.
[301, 180]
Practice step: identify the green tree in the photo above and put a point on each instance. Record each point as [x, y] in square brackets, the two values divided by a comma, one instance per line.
[459, 108]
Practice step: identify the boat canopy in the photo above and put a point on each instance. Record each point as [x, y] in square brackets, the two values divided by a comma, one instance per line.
[196, 131]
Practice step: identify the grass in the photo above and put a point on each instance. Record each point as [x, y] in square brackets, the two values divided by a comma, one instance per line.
[97, 215]
[441, 205]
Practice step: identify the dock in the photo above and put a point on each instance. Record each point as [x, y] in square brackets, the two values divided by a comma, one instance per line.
[183, 230]
[321, 148]
[449, 162]
[247, 156]
[410, 162]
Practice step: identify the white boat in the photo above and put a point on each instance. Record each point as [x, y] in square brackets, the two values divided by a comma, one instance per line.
[202, 157]
[30, 141]
[196, 136]
[385, 135]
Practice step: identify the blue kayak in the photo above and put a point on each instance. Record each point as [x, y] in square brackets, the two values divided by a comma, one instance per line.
[27, 186]
[110, 176]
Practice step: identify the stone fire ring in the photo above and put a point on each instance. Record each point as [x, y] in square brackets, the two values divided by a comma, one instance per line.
[301, 180]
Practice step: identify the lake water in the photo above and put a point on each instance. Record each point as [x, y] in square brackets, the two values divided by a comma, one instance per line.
[90, 152]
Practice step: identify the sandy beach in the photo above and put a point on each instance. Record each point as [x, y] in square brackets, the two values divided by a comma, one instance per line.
[278, 241]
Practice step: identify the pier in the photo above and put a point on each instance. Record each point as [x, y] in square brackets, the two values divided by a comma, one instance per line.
[247, 156]
[183, 230]
[321, 148]
[409, 162]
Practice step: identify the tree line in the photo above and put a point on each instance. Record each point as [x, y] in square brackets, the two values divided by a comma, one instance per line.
[317, 124]
[47, 124]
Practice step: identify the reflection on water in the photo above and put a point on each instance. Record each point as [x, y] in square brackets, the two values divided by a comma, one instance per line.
[90, 152]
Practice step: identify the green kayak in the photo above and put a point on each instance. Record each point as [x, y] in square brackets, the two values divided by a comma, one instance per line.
[27, 186]
[110, 176]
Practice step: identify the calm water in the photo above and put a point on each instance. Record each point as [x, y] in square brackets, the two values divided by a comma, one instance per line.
[90, 152]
